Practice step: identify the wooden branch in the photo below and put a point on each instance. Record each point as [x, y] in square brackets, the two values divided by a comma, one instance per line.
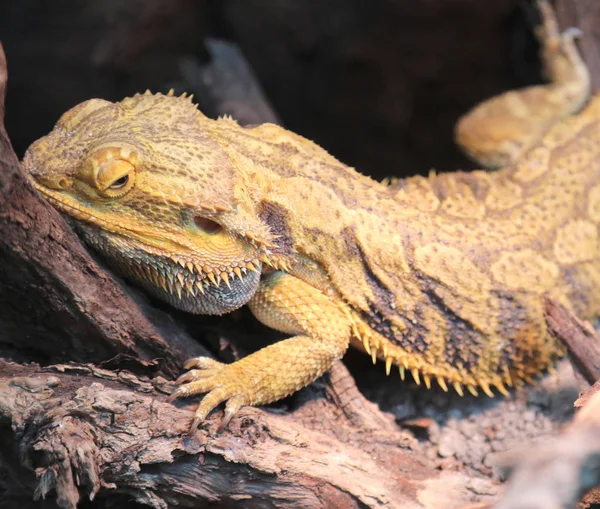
[559, 472]
[85, 432]
[579, 338]
[227, 85]
[3, 82]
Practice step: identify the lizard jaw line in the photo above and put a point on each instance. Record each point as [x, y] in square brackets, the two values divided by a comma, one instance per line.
[201, 274]
[56, 199]
[78, 212]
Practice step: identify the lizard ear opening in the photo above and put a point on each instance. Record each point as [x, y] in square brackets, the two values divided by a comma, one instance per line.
[206, 225]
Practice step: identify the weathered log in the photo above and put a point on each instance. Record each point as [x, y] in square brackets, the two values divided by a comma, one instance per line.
[557, 473]
[76, 431]
[227, 86]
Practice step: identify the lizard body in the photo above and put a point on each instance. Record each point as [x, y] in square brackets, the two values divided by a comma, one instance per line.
[442, 276]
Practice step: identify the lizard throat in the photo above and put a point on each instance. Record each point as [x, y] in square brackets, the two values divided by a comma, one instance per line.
[181, 281]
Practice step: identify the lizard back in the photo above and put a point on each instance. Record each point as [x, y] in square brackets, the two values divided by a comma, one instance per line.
[446, 274]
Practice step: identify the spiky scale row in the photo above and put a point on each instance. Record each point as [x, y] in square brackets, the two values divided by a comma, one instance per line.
[181, 275]
[274, 262]
[403, 366]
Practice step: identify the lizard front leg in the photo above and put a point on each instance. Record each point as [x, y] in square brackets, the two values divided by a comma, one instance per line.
[322, 329]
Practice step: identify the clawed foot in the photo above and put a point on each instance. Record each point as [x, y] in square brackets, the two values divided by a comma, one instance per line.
[549, 32]
[221, 382]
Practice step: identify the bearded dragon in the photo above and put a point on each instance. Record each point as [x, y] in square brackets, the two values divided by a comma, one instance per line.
[442, 277]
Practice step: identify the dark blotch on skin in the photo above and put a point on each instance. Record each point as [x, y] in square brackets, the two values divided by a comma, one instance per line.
[384, 297]
[382, 315]
[276, 217]
[464, 343]
[515, 324]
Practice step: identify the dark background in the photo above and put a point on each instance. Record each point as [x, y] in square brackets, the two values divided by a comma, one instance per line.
[377, 83]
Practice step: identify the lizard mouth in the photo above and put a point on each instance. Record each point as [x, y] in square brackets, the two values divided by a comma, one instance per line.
[177, 275]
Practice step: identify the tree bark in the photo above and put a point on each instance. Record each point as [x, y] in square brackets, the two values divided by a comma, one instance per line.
[579, 337]
[81, 431]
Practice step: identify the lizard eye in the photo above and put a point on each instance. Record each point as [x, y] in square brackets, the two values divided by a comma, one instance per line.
[120, 182]
[115, 178]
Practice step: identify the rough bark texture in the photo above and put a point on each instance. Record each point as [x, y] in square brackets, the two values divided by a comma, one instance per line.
[579, 338]
[557, 473]
[227, 85]
[81, 431]
[87, 358]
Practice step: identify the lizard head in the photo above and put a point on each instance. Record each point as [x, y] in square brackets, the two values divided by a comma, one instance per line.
[147, 184]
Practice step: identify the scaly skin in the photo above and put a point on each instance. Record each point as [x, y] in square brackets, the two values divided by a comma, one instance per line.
[442, 276]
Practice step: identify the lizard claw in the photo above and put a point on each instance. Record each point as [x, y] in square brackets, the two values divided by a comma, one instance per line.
[573, 33]
[220, 382]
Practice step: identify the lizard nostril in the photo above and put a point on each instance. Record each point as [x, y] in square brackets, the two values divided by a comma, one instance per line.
[207, 225]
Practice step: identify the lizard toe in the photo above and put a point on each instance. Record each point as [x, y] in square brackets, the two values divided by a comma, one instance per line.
[220, 382]
[202, 363]
[214, 399]
[231, 408]
[195, 387]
